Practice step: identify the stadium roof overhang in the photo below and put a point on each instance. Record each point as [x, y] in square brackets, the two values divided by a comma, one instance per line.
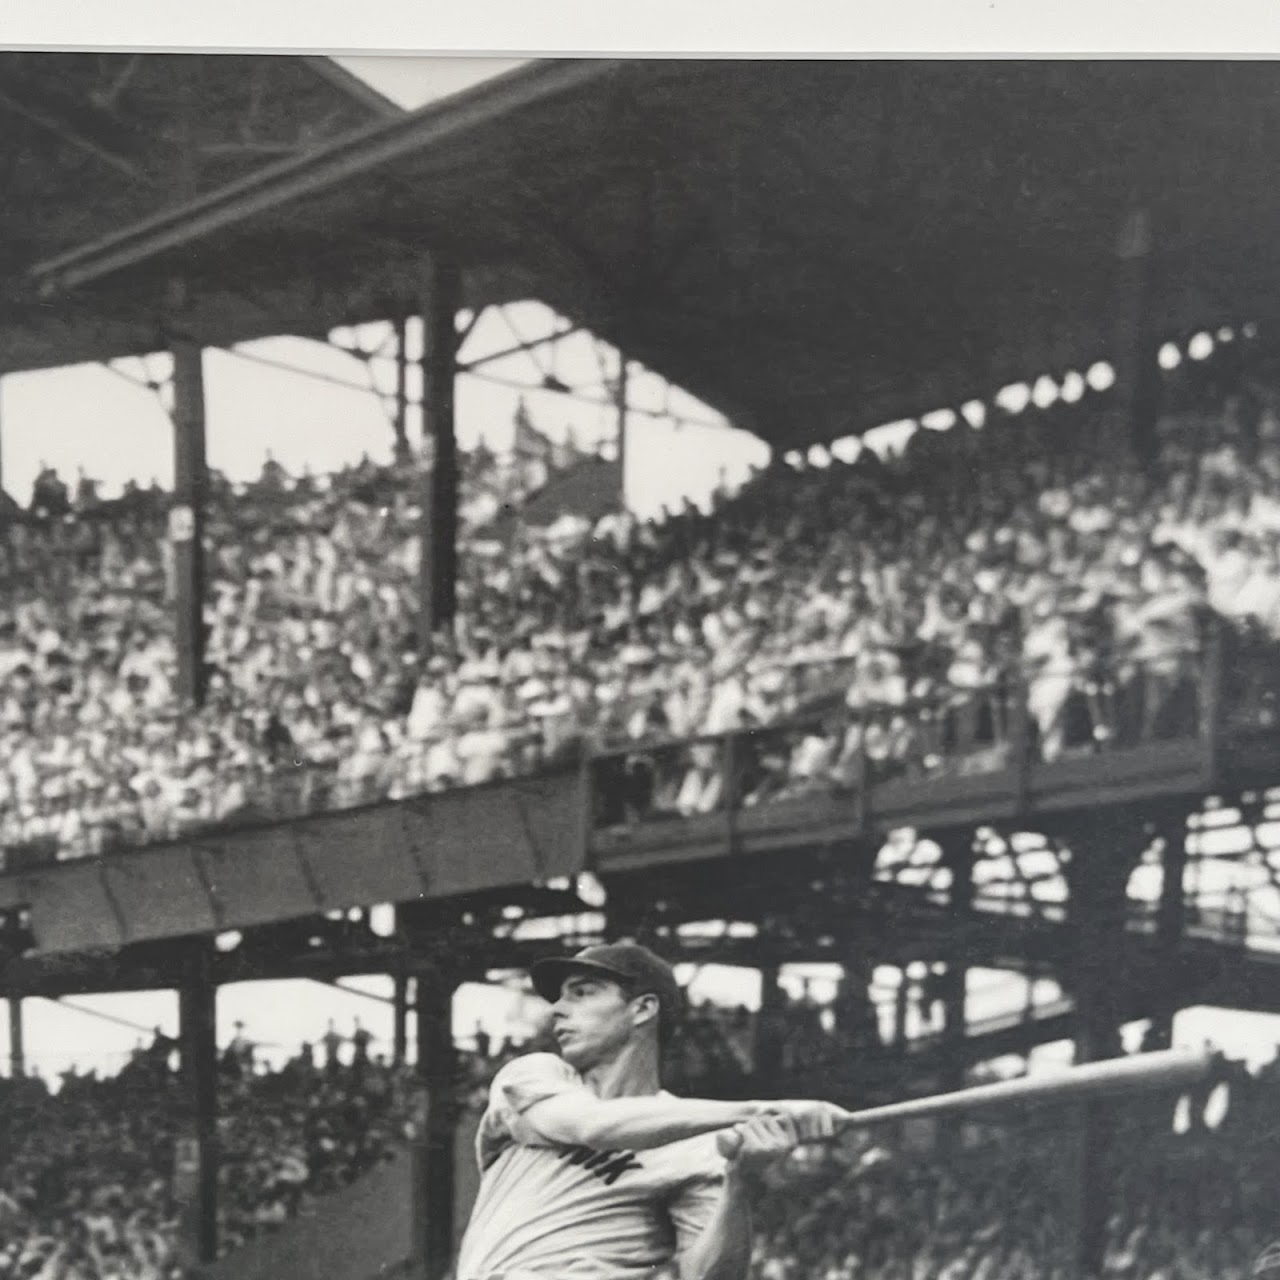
[93, 142]
[811, 247]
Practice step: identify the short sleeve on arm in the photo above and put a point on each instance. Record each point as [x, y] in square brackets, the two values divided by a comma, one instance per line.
[531, 1079]
[517, 1087]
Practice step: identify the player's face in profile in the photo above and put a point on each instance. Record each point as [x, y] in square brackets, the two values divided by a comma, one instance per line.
[591, 1021]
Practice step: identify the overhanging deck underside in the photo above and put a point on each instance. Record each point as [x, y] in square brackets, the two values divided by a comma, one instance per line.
[811, 247]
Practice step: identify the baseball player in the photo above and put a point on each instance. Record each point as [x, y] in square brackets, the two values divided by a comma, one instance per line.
[589, 1170]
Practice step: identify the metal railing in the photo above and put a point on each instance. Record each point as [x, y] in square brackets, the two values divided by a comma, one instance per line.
[1054, 713]
[1017, 719]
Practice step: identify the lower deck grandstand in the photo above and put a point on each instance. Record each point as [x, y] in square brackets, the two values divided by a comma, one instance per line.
[86, 1173]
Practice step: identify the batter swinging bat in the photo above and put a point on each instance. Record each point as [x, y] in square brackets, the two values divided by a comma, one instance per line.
[1168, 1069]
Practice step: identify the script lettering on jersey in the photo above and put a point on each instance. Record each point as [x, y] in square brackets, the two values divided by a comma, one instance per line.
[606, 1165]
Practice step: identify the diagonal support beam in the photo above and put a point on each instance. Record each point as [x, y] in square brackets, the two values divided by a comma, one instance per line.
[87, 128]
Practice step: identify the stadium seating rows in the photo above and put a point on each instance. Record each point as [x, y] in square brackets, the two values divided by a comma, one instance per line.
[86, 1188]
[1195, 1204]
[886, 599]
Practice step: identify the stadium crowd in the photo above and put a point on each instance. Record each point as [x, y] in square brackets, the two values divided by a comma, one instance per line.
[1193, 1205]
[87, 1173]
[88, 1184]
[888, 610]
[88, 1188]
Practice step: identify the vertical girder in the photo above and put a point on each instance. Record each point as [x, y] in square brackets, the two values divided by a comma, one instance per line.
[439, 561]
[17, 1042]
[437, 1065]
[187, 517]
[197, 1157]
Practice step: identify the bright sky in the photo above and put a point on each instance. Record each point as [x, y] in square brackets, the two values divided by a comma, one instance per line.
[104, 422]
[116, 430]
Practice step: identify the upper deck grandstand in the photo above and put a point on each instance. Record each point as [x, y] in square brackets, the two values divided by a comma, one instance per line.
[886, 603]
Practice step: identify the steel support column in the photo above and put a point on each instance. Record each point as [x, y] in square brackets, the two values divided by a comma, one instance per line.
[623, 406]
[439, 560]
[1102, 854]
[197, 1157]
[770, 1032]
[400, 1030]
[437, 1065]
[855, 1012]
[1171, 921]
[958, 856]
[400, 425]
[1097, 875]
[17, 1041]
[187, 516]
[1137, 386]
[857, 1021]
[901, 1005]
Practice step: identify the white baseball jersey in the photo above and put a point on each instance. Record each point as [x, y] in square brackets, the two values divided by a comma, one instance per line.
[548, 1212]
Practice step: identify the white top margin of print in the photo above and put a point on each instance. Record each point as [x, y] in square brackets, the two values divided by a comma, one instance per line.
[1187, 28]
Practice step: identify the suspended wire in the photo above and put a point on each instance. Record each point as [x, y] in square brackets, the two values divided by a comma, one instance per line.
[145, 384]
[597, 401]
[99, 1014]
[513, 384]
[267, 362]
[385, 350]
[470, 368]
[364, 354]
[356, 353]
[128, 1023]
[354, 991]
[385, 400]
[492, 357]
[525, 345]
[465, 330]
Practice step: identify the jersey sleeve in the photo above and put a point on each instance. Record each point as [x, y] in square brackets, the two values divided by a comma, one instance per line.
[516, 1088]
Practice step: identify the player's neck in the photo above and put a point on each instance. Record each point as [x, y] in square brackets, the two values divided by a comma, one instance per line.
[631, 1073]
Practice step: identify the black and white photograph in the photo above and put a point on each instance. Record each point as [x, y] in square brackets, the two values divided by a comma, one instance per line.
[638, 668]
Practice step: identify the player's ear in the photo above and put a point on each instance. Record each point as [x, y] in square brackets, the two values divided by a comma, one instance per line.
[645, 1009]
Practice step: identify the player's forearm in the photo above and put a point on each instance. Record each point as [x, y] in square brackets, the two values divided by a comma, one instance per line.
[723, 1250]
[635, 1124]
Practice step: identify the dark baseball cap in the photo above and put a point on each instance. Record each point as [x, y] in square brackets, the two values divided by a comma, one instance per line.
[634, 968]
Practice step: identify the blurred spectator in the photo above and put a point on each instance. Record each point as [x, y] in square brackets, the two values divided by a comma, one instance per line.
[997, 1208]
[886, 613]
[86, 1173]
[332, 1042]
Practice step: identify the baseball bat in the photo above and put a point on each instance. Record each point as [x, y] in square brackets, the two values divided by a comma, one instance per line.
[1140, 1073]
